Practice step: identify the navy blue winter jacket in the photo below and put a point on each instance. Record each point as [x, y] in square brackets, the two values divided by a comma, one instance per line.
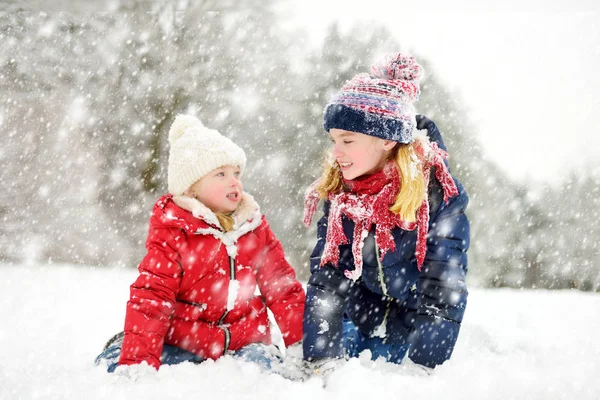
[424, 308]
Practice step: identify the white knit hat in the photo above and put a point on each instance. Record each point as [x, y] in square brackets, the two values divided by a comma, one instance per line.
[197, 150]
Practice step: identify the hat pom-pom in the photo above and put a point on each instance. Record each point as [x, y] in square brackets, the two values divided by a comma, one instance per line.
[397, 66]
[181, 124]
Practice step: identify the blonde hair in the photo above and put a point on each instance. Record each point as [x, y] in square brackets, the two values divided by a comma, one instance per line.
[412, 181]
[226, 221]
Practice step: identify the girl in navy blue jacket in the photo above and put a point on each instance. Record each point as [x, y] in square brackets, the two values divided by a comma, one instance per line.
[389, 266]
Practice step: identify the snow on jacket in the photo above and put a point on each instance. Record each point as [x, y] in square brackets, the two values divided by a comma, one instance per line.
[197, 284]
[393, 299]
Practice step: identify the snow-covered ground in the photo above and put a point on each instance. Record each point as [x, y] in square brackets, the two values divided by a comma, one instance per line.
[514, 344]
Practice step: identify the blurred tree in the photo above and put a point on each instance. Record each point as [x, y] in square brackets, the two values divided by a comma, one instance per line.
[49, 172]
[571, 244]
[89, 98]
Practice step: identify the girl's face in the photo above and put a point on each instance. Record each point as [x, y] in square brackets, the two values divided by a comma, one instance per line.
[220, 190]
[358, 154]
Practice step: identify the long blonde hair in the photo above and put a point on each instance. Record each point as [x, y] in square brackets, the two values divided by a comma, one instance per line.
[412, 181]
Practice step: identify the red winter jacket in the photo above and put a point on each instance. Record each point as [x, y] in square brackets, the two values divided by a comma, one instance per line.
[197, 287]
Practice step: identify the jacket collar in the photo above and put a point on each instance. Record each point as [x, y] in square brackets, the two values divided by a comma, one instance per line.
[247, 210]
[246, 217]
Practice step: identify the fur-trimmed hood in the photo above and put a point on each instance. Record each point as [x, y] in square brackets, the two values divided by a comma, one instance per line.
[195, 218]
[247, 210]
[246, 217]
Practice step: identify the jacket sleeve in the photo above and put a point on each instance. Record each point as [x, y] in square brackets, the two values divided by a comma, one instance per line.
[282, 292]
[152, 299]
[441, 288]
[432, 131]
[326, 297]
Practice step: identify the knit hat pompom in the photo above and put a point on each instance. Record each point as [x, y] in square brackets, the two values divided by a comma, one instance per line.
[181, 124]
[397, 66]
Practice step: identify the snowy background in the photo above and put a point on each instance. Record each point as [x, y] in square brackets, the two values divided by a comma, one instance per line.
[89, 92]
[514, 344]
[525, 71]
[89, 95]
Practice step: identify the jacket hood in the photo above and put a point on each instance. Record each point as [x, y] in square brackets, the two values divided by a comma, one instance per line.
[194, 217]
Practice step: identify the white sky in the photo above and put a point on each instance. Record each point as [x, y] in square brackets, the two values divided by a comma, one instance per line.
[530, 78]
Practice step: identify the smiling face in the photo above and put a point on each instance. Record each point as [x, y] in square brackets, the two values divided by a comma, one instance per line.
[358, 154]
[220, 190]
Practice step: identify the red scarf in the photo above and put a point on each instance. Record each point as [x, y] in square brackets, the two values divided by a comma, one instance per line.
[367, 202]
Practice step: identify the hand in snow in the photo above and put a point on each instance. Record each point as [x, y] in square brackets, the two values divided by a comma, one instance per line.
[425, 369]
[134, 372]
[323, 367]
[416, 369]
[294, 352]
[293, 364]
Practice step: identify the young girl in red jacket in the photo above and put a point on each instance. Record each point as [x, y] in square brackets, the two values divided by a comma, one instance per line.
[209, 250]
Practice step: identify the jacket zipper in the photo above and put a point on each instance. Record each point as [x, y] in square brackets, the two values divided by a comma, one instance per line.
[227, 339]
[382, 326]
[231, 268]
[380, 272]
[220, 322]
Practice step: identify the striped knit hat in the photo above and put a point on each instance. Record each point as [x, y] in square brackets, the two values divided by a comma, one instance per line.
[380, 103]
